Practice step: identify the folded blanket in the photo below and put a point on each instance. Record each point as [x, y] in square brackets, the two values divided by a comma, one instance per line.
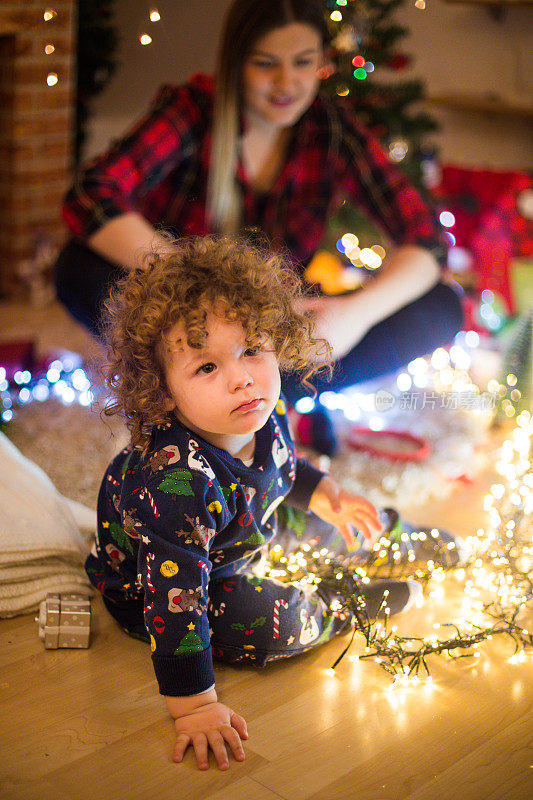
[42, 548]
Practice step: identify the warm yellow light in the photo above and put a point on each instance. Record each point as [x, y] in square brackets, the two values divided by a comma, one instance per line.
[49, 14]
[52, 79]
[155, 16]
[377, 248]
[144, 38]
[49, 49]
[336, 16]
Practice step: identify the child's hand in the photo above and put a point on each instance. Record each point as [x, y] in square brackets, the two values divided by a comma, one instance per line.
[210, 726]
[341, 508]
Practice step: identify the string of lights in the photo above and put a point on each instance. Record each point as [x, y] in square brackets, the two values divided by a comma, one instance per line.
[498, 569]
[49, 15]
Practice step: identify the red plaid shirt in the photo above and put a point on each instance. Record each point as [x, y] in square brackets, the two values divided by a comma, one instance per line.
[160, 170]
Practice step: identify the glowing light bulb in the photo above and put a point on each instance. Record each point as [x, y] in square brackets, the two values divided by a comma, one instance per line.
[336, 16]
[145, 39]
[447, 219]
[404, 382]
[349, 240]
[49, 49]
[155, 16]
[304, 405]
[49, 14]
[52, 78]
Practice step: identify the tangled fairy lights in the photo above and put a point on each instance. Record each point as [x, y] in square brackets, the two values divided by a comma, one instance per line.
[63, 379]
[496, 579]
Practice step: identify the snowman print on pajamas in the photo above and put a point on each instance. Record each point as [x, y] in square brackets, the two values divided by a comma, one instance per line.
[197, 461]
[310, 630]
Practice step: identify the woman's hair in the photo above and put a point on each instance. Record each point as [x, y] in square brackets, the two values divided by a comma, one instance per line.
[180, 282]
[245, 23]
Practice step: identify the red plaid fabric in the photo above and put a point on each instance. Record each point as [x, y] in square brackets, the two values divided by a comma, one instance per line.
[160, 170]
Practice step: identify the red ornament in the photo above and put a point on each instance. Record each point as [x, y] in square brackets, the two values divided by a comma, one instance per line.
[159, 624]
[245, 519]
[398, 61]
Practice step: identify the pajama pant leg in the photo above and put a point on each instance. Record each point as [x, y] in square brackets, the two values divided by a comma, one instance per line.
[261, 619]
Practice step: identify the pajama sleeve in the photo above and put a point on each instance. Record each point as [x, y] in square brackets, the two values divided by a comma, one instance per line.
[181, 513]
[127, 177]
[306, 480]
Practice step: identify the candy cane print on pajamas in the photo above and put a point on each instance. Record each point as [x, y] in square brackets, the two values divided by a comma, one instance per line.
[216, 612]
[145, 493]
[149, 557]
[277, 604]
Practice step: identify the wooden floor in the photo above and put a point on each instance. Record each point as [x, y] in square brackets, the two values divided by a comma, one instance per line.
[87, 724]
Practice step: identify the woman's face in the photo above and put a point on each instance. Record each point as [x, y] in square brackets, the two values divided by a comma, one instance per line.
[280, 75]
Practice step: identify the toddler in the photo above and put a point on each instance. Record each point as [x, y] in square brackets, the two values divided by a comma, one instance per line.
[187, 513]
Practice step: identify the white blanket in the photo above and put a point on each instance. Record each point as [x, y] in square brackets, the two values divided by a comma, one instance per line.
[42, 547]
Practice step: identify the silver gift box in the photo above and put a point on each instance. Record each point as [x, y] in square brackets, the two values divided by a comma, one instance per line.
[65, 620]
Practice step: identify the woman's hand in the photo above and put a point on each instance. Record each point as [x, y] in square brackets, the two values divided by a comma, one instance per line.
[212, 725]
[407, 273]
[341, 508]
[339, 320]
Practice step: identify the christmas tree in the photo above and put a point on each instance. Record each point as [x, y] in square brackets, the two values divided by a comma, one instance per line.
[191, 643]
[120, 536]
[177, 482]
[255, 539]
[365, 54]
[366, 47]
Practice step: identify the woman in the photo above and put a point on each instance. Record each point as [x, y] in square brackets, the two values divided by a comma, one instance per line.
[265, 151]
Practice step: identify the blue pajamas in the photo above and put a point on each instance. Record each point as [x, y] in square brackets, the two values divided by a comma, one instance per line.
[181, 534]
[261, 619]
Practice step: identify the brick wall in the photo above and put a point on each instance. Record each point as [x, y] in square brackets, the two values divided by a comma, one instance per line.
[36, 127]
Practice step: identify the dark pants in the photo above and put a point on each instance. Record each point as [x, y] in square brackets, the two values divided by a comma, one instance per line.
[83, 280]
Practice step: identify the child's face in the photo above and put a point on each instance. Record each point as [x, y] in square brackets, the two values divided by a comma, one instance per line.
[224, 391]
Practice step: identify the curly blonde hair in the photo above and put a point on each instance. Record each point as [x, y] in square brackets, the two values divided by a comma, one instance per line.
[181, 281]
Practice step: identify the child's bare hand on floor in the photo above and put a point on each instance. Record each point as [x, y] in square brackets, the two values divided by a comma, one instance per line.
[343, 509]
[210, 726]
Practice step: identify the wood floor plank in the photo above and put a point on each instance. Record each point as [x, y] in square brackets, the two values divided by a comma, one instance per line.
[244, 789]
[396, 743]
[135, 767]
[500, 769]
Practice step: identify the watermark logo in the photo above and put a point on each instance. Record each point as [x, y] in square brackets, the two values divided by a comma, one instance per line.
[416, 401]
[384, 401]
